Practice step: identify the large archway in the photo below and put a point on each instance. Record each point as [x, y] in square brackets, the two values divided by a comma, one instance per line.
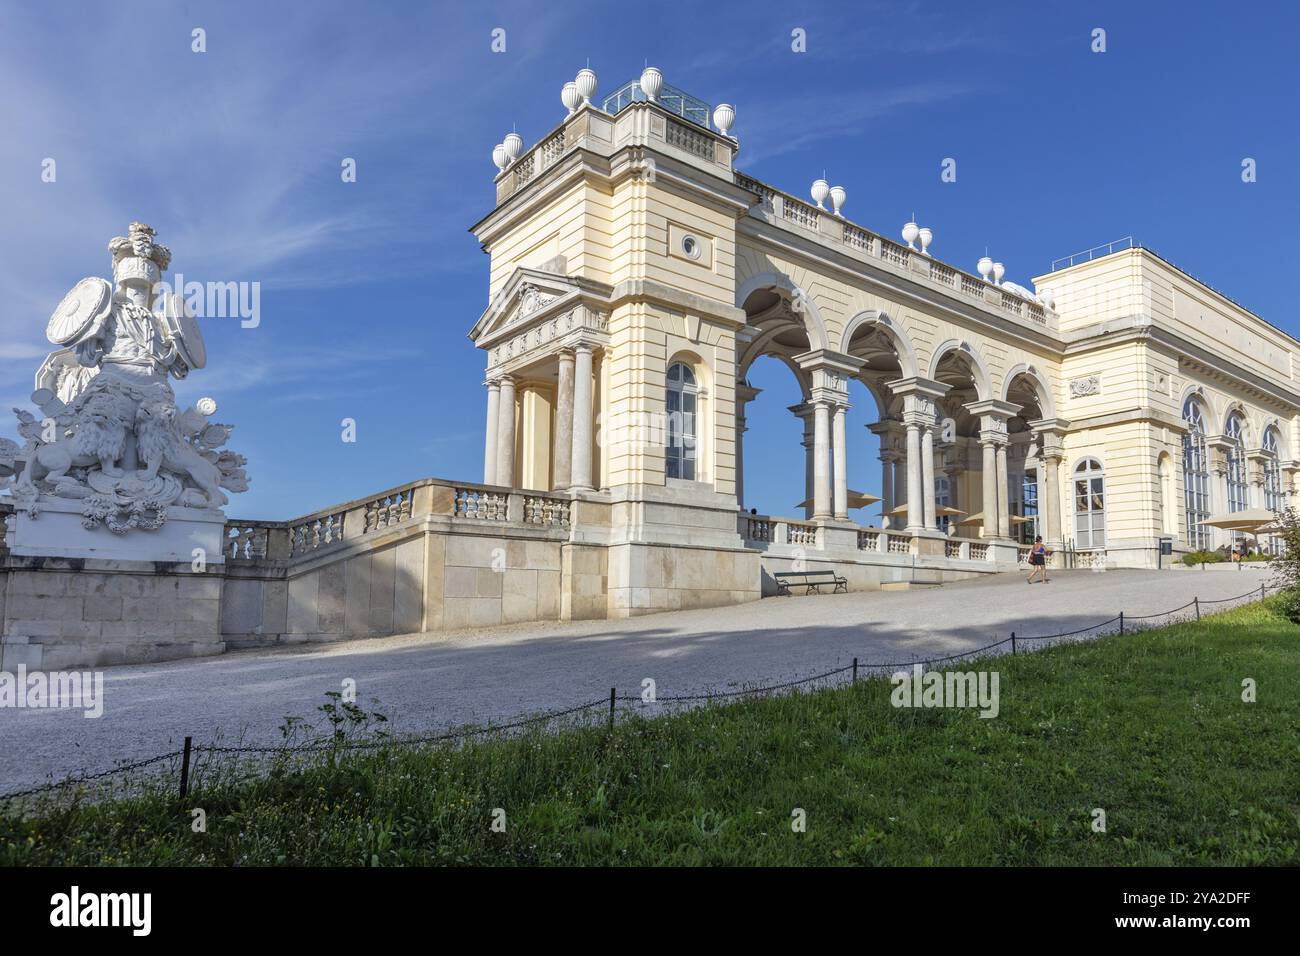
[773, 416]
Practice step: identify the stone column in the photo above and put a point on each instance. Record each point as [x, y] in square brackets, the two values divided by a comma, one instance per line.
[915, 508]
[927, 478]
[841, 463]
[804, 412]
[886, 487]
[505, 474]
[745, 393]
[582, 413]
[1004, 511]
[989, 486]
[821, 460]
[563, 469]
[740, 460]
[1051, 465]
[490, 439]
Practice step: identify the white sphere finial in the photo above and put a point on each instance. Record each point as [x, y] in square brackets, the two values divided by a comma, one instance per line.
[984, 267]
[585, 81]
[820, 190]
[838, 195]
[570, 97]
[1048, 298]
[999, 270]
[513, 145]
[206, 406]
[652, 81]
[910, 232]
[926, 237]
[499, 156]
[724, 114]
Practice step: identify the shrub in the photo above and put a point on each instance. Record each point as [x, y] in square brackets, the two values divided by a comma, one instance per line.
[1193, 558]
[1286, 566]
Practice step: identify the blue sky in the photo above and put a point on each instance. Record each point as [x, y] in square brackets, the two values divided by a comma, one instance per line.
[368, 288]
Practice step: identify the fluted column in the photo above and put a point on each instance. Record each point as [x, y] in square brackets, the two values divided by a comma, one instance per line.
[490, 433]
[821, 460]
[915, 506]
[989, 486]
[582, 413]
[840, 454]
[927, 478]
[1004, 512]
[563, 469]
[505, 474]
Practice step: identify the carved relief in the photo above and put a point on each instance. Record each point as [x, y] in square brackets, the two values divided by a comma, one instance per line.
[1081, 387]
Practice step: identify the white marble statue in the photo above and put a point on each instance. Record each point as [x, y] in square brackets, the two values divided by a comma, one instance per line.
[109, 432]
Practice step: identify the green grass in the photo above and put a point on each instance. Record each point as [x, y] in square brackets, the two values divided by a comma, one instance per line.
[1150, 727]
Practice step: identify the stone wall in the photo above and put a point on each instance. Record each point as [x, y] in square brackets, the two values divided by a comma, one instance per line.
[64, 613]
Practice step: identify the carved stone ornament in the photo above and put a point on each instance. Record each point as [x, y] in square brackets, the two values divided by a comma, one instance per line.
[109, 432]
[1081, 387]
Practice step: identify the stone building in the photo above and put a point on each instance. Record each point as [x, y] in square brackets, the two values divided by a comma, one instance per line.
[635, 277]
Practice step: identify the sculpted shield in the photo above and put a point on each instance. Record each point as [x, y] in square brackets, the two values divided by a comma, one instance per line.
[88, 302]
[181, 329]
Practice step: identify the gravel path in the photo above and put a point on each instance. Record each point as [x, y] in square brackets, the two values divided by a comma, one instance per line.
[433, 681]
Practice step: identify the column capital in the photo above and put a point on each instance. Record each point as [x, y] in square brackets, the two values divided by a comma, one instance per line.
[492, 381]
[746, 392]
[916, 385]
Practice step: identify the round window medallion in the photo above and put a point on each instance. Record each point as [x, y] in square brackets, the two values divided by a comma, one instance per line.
[691, 247]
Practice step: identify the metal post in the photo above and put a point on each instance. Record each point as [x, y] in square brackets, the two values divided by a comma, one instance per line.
[1121, 622]
[185, 768]
[612, 692]
[1013, 642]
[1197, 602]
[1261, 592]
[855, 670]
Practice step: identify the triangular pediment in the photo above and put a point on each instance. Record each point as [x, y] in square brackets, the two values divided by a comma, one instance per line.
[532, 295]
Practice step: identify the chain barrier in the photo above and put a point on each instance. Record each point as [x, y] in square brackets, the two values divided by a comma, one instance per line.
[609, 702]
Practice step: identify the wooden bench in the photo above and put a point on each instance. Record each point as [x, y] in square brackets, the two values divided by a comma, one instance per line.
[812, 580]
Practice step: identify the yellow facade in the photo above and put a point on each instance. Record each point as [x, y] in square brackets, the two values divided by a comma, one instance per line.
[627, 244]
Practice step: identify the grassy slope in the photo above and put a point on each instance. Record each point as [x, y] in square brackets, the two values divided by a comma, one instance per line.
[1150, 727]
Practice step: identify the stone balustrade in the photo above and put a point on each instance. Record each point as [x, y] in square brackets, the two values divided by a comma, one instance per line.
[254, 542]
[782, 208]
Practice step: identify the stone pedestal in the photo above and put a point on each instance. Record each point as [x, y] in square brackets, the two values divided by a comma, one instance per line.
[57, 532]
[61, 613]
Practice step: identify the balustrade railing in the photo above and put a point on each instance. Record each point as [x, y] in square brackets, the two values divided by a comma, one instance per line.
[315, 533]
[481, 504]
[898, 543]
[247, 541]
[869, 540]
[788, 208]
[545, 510]
[388, 510]
[979, 552]
[798, 533]
[758, 529]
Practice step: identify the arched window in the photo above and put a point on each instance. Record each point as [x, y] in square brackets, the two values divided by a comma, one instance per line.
[1238, 489]
[1272, 473]
[1089, 505]
[1196, 477]
[679, 455]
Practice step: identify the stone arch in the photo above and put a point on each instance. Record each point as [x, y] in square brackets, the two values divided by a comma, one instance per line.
[810, 316]
[1235, 407]
[882, 320]
[979, 370]
[1274, 426]
[1045, 400]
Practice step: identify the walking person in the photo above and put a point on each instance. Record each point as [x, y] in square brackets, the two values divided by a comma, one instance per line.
[1038, 560]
